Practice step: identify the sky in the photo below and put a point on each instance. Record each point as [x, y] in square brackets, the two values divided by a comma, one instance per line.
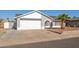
[11, 13]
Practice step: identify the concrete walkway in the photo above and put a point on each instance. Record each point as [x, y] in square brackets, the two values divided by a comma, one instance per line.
[14, 37]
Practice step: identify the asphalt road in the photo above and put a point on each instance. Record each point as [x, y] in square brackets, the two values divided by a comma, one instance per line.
[64, 43]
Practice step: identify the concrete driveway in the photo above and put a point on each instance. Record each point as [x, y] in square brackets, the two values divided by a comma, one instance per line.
[28, 34]
[13, 37]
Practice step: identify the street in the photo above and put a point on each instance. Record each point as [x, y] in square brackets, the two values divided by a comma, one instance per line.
[65, 43]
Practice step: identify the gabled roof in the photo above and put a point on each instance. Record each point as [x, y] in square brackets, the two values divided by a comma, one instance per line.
[33, 12]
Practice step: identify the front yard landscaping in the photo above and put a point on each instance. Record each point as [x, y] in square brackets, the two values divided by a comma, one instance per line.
[60, 31]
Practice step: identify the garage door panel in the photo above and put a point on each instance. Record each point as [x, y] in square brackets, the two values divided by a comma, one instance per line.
[30, 24]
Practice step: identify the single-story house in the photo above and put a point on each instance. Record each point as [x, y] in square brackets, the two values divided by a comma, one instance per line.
[35, 20]
[38, 20]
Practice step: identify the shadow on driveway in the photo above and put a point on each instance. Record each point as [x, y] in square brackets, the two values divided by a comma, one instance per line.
[64, 43]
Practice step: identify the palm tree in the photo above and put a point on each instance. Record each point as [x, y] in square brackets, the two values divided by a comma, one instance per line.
[63, 18]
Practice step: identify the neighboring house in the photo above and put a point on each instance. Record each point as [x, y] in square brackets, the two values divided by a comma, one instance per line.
[34, 20]
[9, 24]
[73, 22]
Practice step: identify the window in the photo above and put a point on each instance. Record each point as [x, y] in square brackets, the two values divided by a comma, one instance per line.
[57, 23]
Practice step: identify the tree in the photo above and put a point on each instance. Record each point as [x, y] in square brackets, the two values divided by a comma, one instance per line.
[63, 18]
[7, 19]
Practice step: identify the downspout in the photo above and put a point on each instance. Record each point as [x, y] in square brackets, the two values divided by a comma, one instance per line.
[42, 25]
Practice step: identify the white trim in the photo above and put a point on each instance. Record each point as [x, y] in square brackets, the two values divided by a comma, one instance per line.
[33, 12]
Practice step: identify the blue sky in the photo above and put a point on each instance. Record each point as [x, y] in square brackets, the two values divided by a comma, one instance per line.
[11, 13]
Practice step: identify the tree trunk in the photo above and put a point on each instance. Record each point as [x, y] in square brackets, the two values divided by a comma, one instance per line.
[62, 24]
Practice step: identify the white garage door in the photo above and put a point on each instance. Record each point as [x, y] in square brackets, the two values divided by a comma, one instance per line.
[30, 24]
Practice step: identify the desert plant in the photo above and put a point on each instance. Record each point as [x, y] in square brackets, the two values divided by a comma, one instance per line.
[63, 18]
